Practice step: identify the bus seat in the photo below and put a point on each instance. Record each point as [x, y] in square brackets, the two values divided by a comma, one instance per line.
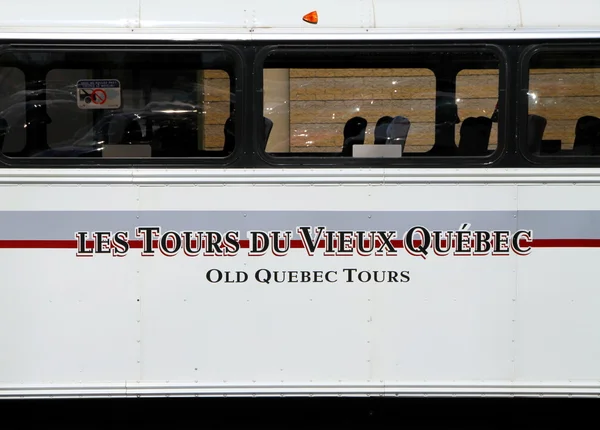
[536, 125]
[397, 131]
[475, 136]
[354, 134]
[381, 130]
[587, 135]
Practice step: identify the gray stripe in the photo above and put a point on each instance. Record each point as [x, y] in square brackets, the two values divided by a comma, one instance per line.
[63, 225]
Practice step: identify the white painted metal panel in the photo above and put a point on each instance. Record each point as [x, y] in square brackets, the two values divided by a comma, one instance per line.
[557, 319]
[255, 14]
[62, 326]
[455, 324]
[268, 17]
[81, 14]
[493, 324]
[559, 14]
[442, 14]
[226, 334]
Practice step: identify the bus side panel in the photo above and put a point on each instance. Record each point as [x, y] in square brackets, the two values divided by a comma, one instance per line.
[147, 317]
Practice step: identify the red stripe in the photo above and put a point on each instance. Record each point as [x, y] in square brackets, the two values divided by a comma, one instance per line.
[565, 243]
[39, 244]
[296, 244]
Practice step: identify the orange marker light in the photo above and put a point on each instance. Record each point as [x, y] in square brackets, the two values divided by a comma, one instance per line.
[311, 17]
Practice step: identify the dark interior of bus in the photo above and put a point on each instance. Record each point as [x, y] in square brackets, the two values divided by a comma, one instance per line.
[185, 104]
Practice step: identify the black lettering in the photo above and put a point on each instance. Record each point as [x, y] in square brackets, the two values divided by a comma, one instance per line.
[102, 242]
[120, 243]
[385, 237]
[330, 248]
[213, 241]
[229, 279]
[279, 277]
[379, 276]
[331, 273]
[170, 243]
[463, 242]
[82, 249]
[405, 275]
[189, 238]
[360, 242]
[309, 244]
[286, 239]
[263, 276]
[483, 243]
[345, 243]
[438, 249]
[318, 277]
[364, 276]
[516, 245]
[501, 242]
[214, 275]
[350, 272]
[409, 242]
[259, 243]
[148, 235]
[232, 242]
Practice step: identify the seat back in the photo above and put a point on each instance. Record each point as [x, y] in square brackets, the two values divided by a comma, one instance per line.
[397, 131]
[381, 130]
[354, 134]
[475, 136]
[587, 135]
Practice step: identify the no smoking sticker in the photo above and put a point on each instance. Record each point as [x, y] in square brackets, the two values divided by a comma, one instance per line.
[99, 94]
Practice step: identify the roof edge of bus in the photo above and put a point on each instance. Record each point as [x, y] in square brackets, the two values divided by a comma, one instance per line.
[245, 19]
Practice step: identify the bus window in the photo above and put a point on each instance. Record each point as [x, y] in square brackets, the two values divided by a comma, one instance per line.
[310, 108]
[119, 105]
[379, 105]
[563, 116]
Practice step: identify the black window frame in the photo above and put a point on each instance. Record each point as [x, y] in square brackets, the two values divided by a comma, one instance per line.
[239, 67]
[557, 161]
[392, 47]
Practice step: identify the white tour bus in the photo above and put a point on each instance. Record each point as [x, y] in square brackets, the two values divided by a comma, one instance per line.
[316, 198]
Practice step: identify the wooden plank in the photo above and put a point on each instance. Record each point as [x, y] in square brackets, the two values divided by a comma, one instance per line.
[565, 108]
[565, 85]
[340, 111]
[216, 90]
[216, 113]
[477, 86]
[364, 88]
